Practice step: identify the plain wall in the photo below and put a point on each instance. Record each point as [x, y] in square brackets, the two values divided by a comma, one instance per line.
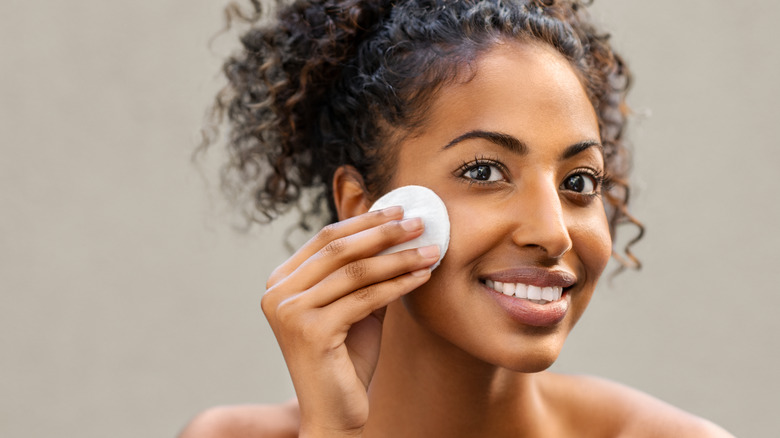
[128, 301]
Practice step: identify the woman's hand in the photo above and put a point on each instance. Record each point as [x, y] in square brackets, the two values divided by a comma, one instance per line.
[326, 305]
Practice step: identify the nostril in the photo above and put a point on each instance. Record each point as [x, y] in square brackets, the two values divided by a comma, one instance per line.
[542, 225]
[552, 251]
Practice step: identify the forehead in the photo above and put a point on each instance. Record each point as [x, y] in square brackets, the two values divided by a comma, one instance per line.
[527, 88]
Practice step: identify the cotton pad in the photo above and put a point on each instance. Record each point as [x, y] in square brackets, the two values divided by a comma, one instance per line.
[421, 202]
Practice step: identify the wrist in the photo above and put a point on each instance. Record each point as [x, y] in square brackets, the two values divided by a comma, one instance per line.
[319, 423]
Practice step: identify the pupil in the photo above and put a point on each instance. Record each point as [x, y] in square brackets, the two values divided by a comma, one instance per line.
[576, 183]
[481, 173]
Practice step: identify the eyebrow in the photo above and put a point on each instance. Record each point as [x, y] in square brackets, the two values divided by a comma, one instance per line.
[504, 140]
[576, 148]
[516, 145]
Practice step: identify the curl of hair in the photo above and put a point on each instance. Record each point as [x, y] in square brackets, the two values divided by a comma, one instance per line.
[321, 86]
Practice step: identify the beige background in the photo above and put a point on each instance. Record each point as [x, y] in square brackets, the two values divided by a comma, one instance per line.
[128, 302]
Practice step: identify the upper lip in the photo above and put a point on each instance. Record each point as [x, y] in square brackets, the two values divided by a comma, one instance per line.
[534, 277]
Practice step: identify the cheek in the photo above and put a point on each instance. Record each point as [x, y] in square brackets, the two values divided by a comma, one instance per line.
[473, 233]
[593, 244]
[475, 228]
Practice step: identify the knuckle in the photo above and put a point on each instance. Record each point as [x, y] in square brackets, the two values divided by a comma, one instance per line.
[275, 277]
[296, 324]
[365, 294]
[327, 233]
[334, 247]
[356, 270]
[287, 311]
[268, 303]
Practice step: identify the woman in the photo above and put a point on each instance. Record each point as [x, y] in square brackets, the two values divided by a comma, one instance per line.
[512, 112]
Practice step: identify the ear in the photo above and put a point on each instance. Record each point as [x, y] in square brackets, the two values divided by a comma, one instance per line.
[349, 193]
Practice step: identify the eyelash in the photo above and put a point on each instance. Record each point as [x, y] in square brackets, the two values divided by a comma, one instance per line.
[460, 172]
[602, 182]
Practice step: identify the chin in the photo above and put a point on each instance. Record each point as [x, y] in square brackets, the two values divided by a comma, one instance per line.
[531, 363]
[533, 357]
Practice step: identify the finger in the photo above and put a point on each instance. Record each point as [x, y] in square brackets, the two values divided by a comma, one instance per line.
[354, 277]
[358, 305]
[330, 233]
[343, 251]
[319, 327]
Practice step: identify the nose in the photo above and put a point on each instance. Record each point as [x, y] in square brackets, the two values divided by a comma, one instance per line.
[540, 221]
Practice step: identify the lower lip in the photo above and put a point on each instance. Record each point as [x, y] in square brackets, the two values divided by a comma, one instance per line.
[530, 313]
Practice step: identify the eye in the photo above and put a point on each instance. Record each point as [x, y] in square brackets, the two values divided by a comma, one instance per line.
[582, 183]
[482, 171]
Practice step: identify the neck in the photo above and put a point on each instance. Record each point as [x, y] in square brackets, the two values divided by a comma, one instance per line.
[426, 386]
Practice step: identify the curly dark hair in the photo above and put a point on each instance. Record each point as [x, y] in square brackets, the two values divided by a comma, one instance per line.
[325, 83]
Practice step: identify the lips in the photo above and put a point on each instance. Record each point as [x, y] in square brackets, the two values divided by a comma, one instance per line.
[531, 296]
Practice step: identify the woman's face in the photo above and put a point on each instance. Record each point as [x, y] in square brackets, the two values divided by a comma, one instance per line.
[514, 153]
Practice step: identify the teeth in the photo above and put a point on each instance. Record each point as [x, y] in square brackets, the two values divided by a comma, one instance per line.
[509, 289]
[536, 294]
[521, 291]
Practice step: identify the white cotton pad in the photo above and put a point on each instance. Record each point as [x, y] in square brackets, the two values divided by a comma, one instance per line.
[421, 202]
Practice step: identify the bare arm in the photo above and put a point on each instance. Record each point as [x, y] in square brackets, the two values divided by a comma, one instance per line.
[244, 421]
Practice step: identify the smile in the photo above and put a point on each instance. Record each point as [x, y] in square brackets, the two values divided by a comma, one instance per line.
[536, 294]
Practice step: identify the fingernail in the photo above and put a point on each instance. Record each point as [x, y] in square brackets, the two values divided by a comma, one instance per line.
[429, 252]
[421, 272]
[412, 224]
[393, 211]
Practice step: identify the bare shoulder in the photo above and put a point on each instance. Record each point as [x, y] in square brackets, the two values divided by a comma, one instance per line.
[625, 412]
[244, 421]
